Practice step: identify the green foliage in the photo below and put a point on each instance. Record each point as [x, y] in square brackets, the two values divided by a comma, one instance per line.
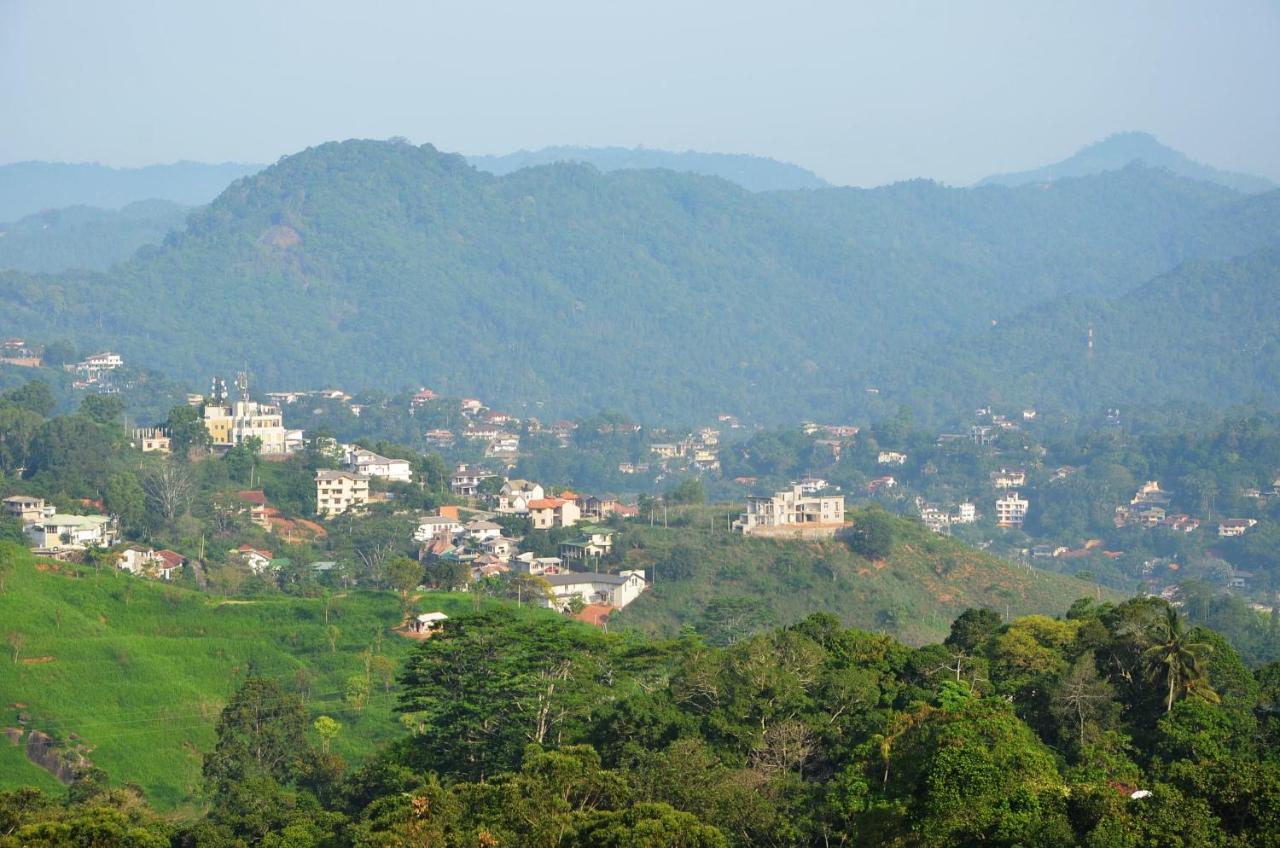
[614, 252]
[872, 533]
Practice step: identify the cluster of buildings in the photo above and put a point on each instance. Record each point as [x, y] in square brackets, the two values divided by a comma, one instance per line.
[95, 371]
[18, 352]
[941, 520]
[698, 452]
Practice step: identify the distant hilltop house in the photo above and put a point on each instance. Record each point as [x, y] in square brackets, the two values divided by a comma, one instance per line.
[1009, 478]
[437, 527]
[1231, 527]
[230, 426]
[340, 491]
[891, 458]
[966, 513]
[18, 352]
[880, 484]
[370, 464]
[428, 622]
[791, 512]
[152, 440]
[614, 590]
[1011, 510]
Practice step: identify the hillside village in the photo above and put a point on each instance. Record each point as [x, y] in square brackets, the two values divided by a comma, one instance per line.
[986, 481]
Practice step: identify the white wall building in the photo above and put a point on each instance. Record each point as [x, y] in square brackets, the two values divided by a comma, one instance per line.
[1011, 510]
[59, 530]
[339, 491]
[615, 590]
[791, 510]
[370, 464]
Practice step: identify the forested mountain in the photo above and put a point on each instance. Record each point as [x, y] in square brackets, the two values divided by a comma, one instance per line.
[86, 236]
[380, 264]
[754, 173]
[1203, 332]
[30, 187]
[1123, 149]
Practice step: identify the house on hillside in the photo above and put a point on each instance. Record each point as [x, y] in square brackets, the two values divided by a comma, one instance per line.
[891, 458]
[340, 491]
[60, 531]
[545, 513]
[591, 546]
[258, 559]
[436, 527]
[27, 509]
[466, 480]
[148, 562]
[1009, 478]
[428, 622]
[1011, 510]
[514, 496]
[480, 530]
[152, 440]
[370, 464]
[1231, 527]
[790, 512]
[615, 590]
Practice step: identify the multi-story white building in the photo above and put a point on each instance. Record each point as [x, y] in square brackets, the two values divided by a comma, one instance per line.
[229, 426]
[966, 513]
[370, 464]
[28, 509]
[339, 491]
[1009, 478]
[1011, 510]
[792, 511]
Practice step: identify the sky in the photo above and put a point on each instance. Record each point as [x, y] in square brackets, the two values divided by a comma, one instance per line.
[863, 93]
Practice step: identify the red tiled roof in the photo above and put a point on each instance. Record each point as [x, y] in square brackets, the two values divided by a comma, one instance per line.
[547, 503]
[172, 559]
[250, 549]
[253, 497]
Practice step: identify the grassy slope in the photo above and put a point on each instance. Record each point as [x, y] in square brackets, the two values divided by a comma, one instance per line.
[914, 594]
[140, 671]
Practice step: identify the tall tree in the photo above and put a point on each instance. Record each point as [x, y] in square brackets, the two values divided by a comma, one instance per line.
[1177, 661]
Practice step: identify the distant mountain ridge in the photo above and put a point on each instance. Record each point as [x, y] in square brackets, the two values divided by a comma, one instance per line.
[30, 187]
[1123, 149]
[661, 295]
[86, 236]
[754, 173]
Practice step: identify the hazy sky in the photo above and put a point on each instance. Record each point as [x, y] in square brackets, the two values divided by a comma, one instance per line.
[862, 93]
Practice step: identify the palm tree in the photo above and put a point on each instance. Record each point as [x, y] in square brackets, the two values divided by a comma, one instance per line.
[1179, 661]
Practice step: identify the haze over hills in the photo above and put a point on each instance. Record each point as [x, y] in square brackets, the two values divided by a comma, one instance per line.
[663, 295]
[754, 173]
[30, 187]
[1123, 149]
[86, 236]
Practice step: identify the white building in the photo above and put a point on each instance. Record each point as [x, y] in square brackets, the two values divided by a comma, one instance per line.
[1231, 527]
[615, 590]
[339, 491]
[466, 480]
[792, 510]
[229, 426]
[515, 495]
[1009, 478]
[966, 513]
[59, 530]
[435, 526]
[27, 509]
[1011, 510]
[891, 458]
[370, 464]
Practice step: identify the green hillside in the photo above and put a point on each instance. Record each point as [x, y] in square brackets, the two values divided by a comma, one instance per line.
[85, 236]
[380, 264]
[138, 672]
[1204, 333]
[913, 593]
[754, 173]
